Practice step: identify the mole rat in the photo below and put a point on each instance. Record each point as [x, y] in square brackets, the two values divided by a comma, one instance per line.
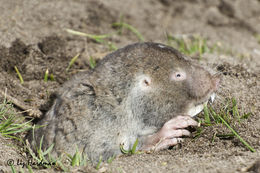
[145, 91]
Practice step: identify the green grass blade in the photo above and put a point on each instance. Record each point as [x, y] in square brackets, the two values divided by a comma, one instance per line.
[40, 148]
[46, 75]
[111, 46]
[83, 161]
[123, 150]
[61, 165]
[98, 38]
[16, 131]
[12, 137]
[76, 159]
[133, 151]
[235, 109]
[206, 115]
[5, 125]
[48, 150]
[214, 115]
[236, 134]
[72, 61]
[225, 135]
[99, 163]
[131, 28]
[52, 77]
[21, 170]
[17, 126]
[92, 62]
[13, 169]
[110, 159]
[31, 152]
[30, 169]
[213, 137]
[19, 75]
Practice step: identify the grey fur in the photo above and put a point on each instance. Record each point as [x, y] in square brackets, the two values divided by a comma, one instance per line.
[99, 110]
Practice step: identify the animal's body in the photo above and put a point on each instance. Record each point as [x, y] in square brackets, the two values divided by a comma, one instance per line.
[147, 91]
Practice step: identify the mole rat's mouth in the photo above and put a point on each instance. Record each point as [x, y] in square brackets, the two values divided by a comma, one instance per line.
[194, 109]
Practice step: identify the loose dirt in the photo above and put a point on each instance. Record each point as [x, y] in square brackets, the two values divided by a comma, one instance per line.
[34, 39]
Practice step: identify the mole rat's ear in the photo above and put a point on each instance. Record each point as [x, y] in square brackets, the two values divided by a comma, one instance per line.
[144, 82]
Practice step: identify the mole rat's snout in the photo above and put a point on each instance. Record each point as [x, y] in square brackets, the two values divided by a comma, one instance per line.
[201, 88]
[201, 83]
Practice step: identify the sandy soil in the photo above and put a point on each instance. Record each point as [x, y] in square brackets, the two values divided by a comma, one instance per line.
[34, 39]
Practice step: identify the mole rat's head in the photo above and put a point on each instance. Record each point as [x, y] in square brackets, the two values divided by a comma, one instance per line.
[167, 84]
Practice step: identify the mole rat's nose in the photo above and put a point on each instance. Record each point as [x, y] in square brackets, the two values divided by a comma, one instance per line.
[201, 82]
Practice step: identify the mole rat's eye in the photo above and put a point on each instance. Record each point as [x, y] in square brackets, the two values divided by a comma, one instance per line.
[178, 76]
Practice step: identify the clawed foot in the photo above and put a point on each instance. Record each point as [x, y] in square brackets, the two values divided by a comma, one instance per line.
[170, 134]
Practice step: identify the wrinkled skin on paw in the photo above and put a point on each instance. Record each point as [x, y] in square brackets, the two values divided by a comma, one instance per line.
[170, 134]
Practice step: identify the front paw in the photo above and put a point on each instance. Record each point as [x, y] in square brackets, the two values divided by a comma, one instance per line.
[169, 135]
